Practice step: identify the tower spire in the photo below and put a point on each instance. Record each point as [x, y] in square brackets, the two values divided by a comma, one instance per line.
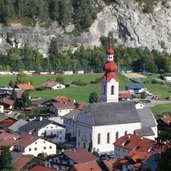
[110, 84]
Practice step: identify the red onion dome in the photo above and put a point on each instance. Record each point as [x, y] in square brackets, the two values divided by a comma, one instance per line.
[110, 67]
[110, 51]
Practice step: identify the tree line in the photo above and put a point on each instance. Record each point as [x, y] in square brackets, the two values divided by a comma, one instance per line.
[87, 59]
[29, 12]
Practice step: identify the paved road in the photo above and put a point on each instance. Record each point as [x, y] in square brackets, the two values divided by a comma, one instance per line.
[157, 102]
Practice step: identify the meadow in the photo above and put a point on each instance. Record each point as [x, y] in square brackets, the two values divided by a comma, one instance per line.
[81, 93]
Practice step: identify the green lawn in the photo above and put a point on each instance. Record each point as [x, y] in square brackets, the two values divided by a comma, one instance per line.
[157, 89]
[80, 94]
[161, 108]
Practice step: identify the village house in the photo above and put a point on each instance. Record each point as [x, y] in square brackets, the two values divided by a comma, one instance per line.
[61, 108]
[8, 139]
[14, 128]
[99, 124]
[126, 143]
[25, 87]
[6, 105]
[68, 158]
[44, 128]
[124, 95]
[164, 123]
[53, 85]
[34, 145]
[135, 88]
[71, 124]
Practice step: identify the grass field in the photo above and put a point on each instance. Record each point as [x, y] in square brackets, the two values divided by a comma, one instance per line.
[161, 108]
[157, 89]
[80, 93]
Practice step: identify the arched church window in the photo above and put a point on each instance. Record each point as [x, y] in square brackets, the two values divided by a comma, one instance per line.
[117, 135]
[126, 132]
[98, 138]
[112, 89]
[108, 137]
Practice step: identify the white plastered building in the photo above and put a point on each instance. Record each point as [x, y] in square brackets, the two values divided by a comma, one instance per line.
[100, 124]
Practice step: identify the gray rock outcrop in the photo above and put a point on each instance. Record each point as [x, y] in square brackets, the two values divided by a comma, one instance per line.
[124, 19]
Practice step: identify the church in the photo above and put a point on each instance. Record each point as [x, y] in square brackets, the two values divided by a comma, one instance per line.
[99, 125]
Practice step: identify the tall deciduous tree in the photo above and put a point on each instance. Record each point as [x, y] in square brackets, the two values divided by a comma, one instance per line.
[5, 159]
[93, 98]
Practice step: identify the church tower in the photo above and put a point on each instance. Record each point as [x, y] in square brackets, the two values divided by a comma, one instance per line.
[110, 82]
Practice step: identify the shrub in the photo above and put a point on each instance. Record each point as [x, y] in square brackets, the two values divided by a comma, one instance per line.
[79, 83]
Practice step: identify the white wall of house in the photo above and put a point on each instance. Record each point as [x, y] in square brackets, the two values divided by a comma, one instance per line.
[53, 129]
[57, 159]
[39, 146]
[120, 152]
[60, 112]
[58, 86]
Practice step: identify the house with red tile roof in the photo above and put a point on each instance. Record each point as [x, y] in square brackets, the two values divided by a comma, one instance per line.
[89, 166]
[25, 87]
[112, 164]
[138, 160]
[6, 105]
[41, 168]
[53, 85]
[124, 95]
[34, 145]
[164, 123]
[62, 109]
[8, 139]
[68, 158]
[21, 161]
[126, 143]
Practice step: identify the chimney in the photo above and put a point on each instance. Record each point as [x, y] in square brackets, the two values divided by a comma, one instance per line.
[129, 136]
[41, 118]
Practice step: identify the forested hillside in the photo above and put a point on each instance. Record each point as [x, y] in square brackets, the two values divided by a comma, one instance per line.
[138, 59]
[141, 36]
[29, 12]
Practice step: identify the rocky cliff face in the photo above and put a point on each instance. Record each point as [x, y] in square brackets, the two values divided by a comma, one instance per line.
[124, 19]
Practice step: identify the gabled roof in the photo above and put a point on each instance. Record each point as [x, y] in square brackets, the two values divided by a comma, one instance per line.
[147, 117]
[6, 101]
[72, 115]
[50, 84]
[14, 127]
[26, 140]
[41, 168]
[67, 105]
[37, 124]
[125, 94]
[88, 166]
[8, 139]
[166, 119]
[131, 141]
[80, 155]
[134, 86]
[145, 132]
[113, 113]
[21, 161]
[25, 86]
[112, 164]
[139, 155]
